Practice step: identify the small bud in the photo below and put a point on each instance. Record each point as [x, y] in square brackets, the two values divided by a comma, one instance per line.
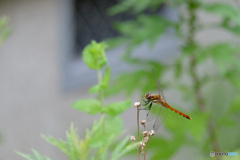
[142, 144]
[152, 132]
[137, 104]
[145, 139]
[144, 133]
[132, 138]
[143, 122]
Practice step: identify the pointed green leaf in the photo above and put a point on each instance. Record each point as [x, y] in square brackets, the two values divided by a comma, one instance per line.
[109, 129]
[94, 55]
[95, 89]
[36, 154]
[117, 108]
[224, 10]
[90, 106]
[122, 148]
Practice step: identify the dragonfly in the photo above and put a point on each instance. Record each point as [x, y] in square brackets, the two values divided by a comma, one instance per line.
[160, 102]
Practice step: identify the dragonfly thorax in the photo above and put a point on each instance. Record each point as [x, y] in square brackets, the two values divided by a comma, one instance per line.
[148, 96]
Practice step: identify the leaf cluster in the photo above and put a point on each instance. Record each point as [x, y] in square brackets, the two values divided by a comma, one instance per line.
[219, 85]
[99, 141]
[4, 29]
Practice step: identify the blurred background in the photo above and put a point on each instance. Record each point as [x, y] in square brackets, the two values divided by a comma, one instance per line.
[42, 72]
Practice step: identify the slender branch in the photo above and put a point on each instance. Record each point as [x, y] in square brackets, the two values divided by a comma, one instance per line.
[138, 110]
[101, 94]
[138, 122]
[145, 153]
[192, 6]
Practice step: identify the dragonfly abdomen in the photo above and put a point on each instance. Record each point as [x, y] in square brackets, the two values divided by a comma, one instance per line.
[177, 111]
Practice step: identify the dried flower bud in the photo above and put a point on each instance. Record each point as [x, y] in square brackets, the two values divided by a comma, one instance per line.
[137, 104]
[152, 132]
[142, 144]
[143, 122]
[145, 139]
[144, 133]
[132, 138]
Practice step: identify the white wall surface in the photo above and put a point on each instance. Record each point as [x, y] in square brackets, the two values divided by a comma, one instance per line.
[31, 99]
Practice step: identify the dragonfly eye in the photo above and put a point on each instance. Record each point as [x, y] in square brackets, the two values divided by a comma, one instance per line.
[148, 95]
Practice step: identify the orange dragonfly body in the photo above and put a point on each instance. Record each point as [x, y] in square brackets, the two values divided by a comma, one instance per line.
[160, 100]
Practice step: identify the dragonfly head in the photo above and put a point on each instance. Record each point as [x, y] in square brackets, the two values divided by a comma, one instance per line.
[148, 96]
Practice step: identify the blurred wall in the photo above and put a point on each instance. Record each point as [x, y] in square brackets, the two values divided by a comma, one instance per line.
[31, 98]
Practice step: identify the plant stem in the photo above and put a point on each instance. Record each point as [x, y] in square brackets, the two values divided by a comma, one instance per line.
[138, 110]
[138, 122]
[101, 95]
[145, 153]
[192, 7]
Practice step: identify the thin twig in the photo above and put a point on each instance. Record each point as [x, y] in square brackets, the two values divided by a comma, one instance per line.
[138, 110]
[145, 153]
[138, 122]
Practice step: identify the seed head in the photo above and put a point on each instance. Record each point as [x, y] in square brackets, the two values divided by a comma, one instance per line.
[143, 122]
[152, 132]
[145, 139]
[137, 104]
[132, 138]
[145, 133]
[142, 144]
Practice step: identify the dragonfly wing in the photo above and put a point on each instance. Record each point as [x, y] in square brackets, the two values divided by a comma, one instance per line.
[160, 92]
[156, 116]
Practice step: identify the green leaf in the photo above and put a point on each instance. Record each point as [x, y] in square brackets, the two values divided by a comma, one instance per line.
[163, 148]
[73, 147]
[104, 84]
[142, 80]
[90, 106]
[197, 126]
[134, 6]
[144, 28]
[223, 54]
[225, 10]
[122, 148]
[107, 131]
[178, 68]
[95, 89]
[235, 106]
[117, 108]
[36, 154]
[94, 55]
[4, 29]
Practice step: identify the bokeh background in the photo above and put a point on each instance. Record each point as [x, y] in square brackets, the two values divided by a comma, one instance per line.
[42, 72]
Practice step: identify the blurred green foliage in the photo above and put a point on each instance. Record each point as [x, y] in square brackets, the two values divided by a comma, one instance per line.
[4, 29]
[213, 94]
[4, 33]
[99, 142]
[37, 156]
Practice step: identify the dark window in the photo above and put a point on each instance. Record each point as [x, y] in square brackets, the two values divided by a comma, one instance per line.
[91, 21]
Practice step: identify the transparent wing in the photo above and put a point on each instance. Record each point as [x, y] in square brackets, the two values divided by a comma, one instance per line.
[155, 116]
[160, 92]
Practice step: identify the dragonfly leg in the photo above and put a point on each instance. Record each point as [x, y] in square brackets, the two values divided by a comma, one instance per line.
[150, 106]
[146, 102]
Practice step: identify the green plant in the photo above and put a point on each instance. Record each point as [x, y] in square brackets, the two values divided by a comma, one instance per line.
[100, 141]
[4, 32]
[214, 96]
[4, 29]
